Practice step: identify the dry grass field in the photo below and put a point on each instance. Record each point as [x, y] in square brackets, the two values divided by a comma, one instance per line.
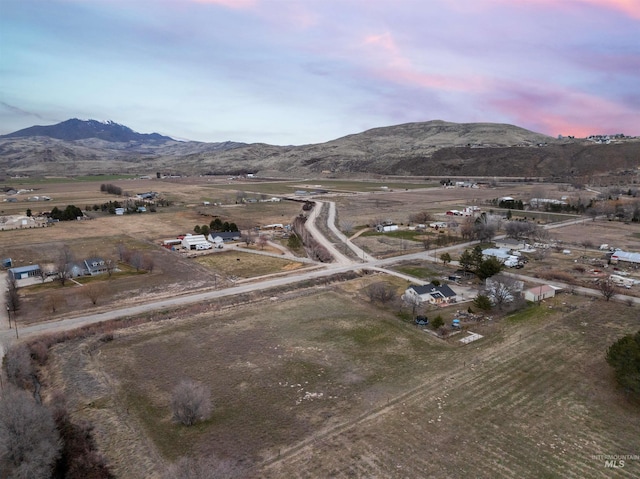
[325, 384]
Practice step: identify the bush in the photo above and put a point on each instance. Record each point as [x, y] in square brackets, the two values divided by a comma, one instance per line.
[437, 322]
[483, 302]
[624, 357]
[191, 402]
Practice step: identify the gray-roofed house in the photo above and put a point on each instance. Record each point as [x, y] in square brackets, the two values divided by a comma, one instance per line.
[95, 266]
[433, 294]
[225, 236]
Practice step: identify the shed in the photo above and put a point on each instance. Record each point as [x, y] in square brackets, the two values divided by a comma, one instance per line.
[24, 272]
[538, 293]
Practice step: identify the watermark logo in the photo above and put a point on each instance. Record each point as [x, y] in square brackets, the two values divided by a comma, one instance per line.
[616, 461]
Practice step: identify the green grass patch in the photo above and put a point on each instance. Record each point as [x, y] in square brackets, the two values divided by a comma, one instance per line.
[417, 271]
[245, 265]
[531, 311]
[400, 234]
[65, 179]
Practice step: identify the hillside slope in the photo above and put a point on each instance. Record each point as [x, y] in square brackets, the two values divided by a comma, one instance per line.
[434, 148]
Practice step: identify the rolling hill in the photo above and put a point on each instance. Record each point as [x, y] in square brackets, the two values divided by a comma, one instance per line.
[434, 148]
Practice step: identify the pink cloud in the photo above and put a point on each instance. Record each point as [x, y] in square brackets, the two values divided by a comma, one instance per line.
[553, 110]
[628, 7]
[394, 66]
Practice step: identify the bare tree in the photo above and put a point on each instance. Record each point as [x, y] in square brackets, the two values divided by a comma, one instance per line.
[347, 226]
[12, 295]
[29, 440]
[608, 289]
[54, 301]
[467, 230]
[381, 292]
[247, 238]
[65, 264]
[18, 365]
[262, 241]
[191, 402]
[413, 302]
[147, 263]
[136, 259]
[502, 290]
[110, 266]
[94, 291]
[422, 217]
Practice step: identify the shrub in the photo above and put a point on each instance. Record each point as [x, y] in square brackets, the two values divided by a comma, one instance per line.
[191, 402]
[624, 357]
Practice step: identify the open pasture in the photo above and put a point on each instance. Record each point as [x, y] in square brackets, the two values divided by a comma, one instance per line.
[241, 265]
[328, 385]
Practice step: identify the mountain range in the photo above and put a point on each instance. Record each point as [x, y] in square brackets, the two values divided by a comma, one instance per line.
[433, 148]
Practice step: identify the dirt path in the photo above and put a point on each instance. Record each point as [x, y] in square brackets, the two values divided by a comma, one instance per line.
[311, 227]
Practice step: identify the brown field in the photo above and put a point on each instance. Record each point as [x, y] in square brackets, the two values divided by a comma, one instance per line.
[328, 385]
[614, 233]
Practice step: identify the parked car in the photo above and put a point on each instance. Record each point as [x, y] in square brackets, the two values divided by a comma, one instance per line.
[422, 320]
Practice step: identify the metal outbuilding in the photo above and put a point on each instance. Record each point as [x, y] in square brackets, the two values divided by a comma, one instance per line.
[24, 272]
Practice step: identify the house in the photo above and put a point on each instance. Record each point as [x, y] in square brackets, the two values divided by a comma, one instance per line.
[225, 236]
[95, 266]
[24, 272]
[195, 242]
[538, 293]
[432, 294]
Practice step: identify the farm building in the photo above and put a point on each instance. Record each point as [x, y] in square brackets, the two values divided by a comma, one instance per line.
[431, 293]
[24, 272]
[225, 236]
[538, 293]
[625, 257]
[195, 242]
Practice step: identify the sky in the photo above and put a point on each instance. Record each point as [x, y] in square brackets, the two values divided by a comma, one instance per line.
[292, 72]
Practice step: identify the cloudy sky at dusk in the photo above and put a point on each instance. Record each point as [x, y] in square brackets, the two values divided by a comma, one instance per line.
[308, 71]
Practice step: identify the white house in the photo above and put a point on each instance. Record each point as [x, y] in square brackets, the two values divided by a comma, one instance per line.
[432, 294]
